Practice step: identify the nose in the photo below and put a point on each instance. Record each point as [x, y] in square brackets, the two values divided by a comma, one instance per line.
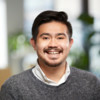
[53, 43]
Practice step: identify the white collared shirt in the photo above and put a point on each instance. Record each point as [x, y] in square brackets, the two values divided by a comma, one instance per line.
[37, 71]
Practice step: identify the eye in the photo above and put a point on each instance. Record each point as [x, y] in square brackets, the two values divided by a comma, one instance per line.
[60, 38]
[45, 38]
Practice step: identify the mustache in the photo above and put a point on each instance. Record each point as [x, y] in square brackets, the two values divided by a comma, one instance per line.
[53, 49]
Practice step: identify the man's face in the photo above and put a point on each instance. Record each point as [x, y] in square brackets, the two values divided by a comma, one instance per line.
[52, 44]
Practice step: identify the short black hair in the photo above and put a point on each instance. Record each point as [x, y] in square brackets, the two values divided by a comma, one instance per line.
[48, 16]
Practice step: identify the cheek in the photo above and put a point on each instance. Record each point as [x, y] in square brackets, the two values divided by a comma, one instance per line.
[66, 48]
[65, 45]
[42, 44]
[40, 47]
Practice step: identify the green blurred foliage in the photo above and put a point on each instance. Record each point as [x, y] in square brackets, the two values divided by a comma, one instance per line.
[81, 59]
[85, 18]
[16, 41]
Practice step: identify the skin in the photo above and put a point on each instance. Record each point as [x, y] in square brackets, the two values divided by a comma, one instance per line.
[52, 46]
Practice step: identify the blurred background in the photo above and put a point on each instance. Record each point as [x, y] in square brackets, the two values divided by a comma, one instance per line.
[17, 17]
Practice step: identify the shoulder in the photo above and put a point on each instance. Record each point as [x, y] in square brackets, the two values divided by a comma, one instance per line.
[17, 79]
[15, 85]
[85, 81]
[82, 73]
[84, 76]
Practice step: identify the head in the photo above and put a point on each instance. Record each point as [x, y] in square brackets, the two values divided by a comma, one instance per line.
[48, 16]
[52, 38]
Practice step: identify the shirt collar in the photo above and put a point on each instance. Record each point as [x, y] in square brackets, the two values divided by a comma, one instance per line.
[37, 71]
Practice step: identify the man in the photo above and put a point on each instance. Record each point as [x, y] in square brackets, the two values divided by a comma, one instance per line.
[52, 78]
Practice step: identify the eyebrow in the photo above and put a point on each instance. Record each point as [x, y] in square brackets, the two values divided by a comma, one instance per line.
[44, 34]
[61, 34]
[58, 34]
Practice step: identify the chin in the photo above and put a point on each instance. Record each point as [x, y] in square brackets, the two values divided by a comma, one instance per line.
[53, 64]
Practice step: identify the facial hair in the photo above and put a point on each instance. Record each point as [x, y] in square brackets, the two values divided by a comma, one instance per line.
[46, 50]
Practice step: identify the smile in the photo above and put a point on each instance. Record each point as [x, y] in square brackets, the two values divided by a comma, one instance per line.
[53, 52]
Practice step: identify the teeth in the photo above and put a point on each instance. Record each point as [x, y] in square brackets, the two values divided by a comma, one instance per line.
[53, 52]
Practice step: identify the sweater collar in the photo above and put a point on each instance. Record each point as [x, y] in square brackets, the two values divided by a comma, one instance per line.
[37, 71]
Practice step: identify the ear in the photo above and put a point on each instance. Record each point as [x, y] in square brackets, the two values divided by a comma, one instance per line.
[33, 43]
[71, 42]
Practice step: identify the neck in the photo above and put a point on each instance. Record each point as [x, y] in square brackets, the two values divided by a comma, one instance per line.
[54, 73]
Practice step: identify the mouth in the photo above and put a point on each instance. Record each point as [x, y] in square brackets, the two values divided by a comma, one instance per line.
[53, 51]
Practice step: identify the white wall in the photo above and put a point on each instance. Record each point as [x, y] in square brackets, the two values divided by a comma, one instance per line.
[14, 15]
[72, 7]
[3, 36]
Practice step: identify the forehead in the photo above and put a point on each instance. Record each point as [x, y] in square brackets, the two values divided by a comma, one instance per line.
[53, 27]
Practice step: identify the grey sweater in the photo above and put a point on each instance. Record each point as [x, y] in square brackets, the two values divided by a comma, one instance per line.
[80, 85]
